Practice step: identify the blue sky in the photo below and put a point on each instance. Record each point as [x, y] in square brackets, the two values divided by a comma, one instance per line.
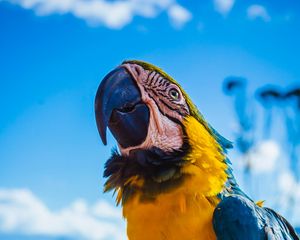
[53, 54]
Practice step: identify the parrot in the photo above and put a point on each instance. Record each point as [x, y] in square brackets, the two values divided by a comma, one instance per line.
[170, 171]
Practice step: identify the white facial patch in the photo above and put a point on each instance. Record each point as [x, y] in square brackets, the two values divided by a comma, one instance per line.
[163, 133]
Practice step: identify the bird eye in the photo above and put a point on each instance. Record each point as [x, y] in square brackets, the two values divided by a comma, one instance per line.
[173, 93]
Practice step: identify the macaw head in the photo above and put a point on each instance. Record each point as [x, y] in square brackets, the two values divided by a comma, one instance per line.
[157, 127]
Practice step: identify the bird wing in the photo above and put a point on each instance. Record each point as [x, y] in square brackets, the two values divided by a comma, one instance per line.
[236, 217]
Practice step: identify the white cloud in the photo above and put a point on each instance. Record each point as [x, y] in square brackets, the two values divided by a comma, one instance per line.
[179, 15]
[22, 212]
[263, 156]
[258, 11]
[112, 14]
[290, 195]
[224, 6]
[287, 182]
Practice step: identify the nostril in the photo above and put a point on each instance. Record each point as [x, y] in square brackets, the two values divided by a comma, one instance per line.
[128, 107]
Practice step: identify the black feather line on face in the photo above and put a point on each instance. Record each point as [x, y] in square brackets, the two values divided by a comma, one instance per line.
[159, 170]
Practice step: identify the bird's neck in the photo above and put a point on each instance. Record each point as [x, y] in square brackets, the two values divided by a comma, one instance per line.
[210, 168]
[207, 160]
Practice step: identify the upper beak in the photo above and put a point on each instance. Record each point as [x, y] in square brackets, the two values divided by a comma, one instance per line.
[119, 106]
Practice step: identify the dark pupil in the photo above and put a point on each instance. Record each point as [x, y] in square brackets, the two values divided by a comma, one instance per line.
[174, 94]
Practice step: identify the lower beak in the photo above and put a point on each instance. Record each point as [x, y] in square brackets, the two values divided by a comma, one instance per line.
[119, 106]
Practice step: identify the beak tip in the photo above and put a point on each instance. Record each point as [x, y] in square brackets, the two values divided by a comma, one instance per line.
[101, 121]
[102, 131]
[104, 141]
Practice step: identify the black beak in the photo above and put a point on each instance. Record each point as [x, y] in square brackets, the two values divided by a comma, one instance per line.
[118, 105]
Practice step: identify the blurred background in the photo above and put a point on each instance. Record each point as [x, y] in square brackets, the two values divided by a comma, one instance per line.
[238, 60]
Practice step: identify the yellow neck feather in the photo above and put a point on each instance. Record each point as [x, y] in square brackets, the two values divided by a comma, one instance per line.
[208, 166]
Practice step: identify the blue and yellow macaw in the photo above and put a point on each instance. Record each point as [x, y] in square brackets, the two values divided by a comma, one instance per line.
[171, 173]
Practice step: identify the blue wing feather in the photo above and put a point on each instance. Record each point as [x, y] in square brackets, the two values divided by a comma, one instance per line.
[237, 217]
